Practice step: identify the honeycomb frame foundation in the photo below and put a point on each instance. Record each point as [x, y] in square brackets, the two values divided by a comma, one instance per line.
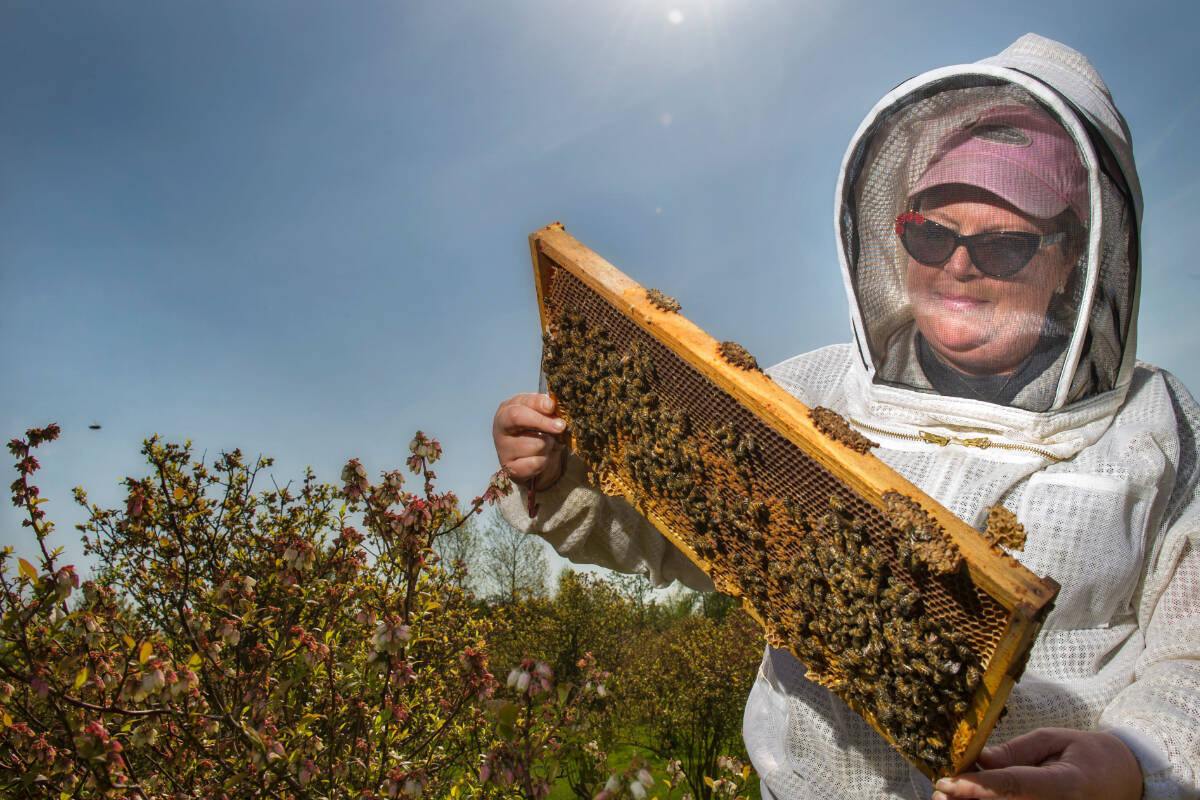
[916, 620]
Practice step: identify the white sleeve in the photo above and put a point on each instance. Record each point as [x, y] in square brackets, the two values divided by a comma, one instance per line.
[588, 527]
[1158, 715]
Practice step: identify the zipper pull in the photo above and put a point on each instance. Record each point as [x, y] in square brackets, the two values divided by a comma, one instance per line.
[933, 438]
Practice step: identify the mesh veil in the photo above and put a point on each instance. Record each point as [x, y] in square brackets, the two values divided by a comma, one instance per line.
[1087, 318]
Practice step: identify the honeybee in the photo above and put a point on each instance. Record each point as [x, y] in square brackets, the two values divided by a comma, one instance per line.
[738, 356]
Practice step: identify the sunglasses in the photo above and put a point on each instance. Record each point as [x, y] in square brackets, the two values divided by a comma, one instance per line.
[998, 255]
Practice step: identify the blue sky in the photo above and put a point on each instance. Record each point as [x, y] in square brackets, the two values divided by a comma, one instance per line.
[300, 228]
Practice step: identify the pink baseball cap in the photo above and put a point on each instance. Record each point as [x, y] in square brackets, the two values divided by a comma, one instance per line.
[1018, 153]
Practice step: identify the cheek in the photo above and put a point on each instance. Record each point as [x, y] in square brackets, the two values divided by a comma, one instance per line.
[919, 279]
[1028, 301]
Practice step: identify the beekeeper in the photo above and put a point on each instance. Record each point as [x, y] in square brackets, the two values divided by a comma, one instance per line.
[987, 220]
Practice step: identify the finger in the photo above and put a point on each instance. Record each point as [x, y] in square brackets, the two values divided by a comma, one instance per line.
[531, 444]
[1035, 747]
[1000, 787]
[1012, 783]
[515, 418]
[538, 402]
[524, 469]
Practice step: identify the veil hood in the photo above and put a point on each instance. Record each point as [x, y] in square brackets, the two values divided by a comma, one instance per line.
[1092, 323]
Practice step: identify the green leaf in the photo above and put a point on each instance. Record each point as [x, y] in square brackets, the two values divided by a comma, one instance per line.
[144, 652]
[27, 570]
[306, 720]
[507, 713]
[81, 678]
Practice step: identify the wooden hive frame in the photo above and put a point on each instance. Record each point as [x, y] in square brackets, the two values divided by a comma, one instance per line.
[1024, 598]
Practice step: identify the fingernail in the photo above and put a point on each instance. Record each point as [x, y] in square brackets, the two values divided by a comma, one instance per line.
[939, 796]
[945, 784]
[559, 424]
[547, 405]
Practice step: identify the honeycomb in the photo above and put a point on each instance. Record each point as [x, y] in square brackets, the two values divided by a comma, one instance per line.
[915, 620]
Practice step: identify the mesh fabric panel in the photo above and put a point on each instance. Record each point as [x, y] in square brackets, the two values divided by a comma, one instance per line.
[892, 157]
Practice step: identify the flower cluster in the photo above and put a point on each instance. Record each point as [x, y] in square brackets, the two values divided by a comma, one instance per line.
[633, 782]
[543, 725]
[532, 677]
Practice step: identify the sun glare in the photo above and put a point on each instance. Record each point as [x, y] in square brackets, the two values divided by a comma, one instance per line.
[675, 16]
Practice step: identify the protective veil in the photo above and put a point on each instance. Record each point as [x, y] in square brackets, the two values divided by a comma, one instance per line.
[1094, 452]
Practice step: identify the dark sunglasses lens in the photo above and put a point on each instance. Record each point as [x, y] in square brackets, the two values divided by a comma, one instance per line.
[1003, 255]
[928, 243]
[1000, 255]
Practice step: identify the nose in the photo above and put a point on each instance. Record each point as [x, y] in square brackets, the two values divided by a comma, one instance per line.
[960, 265]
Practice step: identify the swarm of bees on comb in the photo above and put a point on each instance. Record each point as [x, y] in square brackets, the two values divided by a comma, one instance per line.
[876, 600]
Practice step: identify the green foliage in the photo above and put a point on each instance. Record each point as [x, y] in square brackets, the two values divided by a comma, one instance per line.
[679, 678]
[306, 642]
[543, 727]
[687, 687]
[587, 615]
[239, 643]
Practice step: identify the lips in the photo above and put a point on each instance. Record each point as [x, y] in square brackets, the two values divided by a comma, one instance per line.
[959, 302]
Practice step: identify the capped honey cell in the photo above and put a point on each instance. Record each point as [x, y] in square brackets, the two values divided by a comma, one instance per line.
[1003, 528]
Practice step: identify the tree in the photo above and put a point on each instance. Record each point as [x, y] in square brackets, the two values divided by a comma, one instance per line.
[687, 686]
[512, 564]
[458, 551]
[678, 685]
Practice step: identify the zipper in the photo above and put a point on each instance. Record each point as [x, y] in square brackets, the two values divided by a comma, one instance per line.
[982, 442]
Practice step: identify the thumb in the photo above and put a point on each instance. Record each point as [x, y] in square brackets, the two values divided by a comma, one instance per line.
[1036, 747]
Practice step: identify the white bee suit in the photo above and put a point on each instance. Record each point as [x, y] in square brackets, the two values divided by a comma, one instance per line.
[1097, 456]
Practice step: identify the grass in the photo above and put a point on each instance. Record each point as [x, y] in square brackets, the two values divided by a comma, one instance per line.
[619, 759]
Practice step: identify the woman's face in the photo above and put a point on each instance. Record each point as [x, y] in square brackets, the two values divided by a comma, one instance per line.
[978, 324]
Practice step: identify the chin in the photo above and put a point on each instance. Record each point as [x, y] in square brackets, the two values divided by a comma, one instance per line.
[957, 342]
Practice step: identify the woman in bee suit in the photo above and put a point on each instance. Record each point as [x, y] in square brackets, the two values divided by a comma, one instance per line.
[987, 217]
